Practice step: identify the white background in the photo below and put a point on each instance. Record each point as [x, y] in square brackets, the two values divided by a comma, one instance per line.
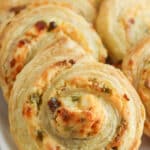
[6, 142]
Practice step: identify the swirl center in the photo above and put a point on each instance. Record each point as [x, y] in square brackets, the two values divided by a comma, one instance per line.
[76, 116]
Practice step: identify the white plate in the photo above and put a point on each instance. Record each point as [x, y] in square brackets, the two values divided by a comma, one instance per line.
[6, 141]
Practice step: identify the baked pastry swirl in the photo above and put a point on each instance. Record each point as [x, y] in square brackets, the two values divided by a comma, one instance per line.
[66, 100]
[122, 24]
[10, 9]
[136, 66]
[86, 8]
[35, 29]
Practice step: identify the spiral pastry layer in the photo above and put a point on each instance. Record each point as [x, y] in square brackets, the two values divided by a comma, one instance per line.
[66, 100]
[136, 66]
[35, 29]
[122, 24]
[86, 8]
[10, 9]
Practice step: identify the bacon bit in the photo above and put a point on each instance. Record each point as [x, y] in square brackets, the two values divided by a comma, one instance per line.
[12, 63]
[147, 83]
[17, 9]
[130, 62]
[40, 25]
[27, 111]
[19, 68]
[126, 97]
[22, 42]
[131, 20]
[71, 61]
[52, 26]
[53, 104]
[66, 115]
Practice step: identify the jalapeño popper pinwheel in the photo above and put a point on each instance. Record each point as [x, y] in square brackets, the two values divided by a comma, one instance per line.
[122, 24]
[66, 100]
[37, 28]
[136, 66]
[11, 8]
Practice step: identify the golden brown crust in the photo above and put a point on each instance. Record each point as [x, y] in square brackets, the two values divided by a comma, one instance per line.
[88, 9]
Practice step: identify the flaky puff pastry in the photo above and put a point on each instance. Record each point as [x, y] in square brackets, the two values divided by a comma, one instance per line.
[35, 29]
[11, 8]
[136, 66]
[122, 23]
[86, 8]
[64, 100]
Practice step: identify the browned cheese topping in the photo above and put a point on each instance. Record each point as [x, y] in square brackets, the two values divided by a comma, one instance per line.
[41, 25]
[126, 97]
